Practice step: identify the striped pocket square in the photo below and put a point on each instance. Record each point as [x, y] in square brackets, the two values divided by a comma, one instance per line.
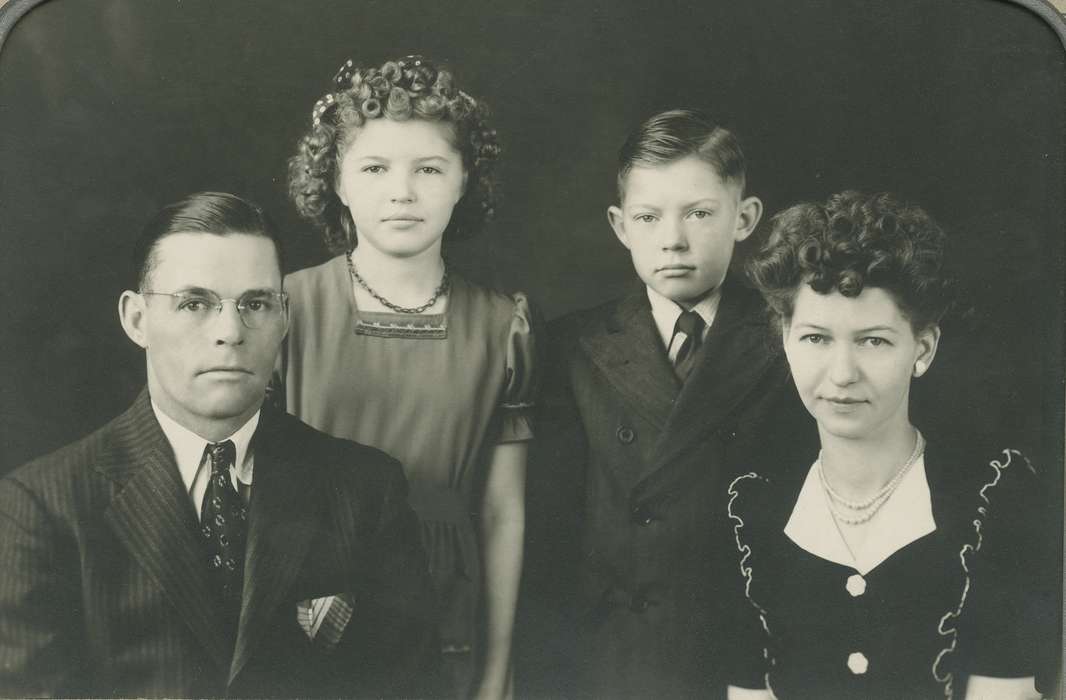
[323, 619]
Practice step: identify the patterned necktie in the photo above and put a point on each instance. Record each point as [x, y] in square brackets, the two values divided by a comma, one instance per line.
[223, 523]
[691, 324]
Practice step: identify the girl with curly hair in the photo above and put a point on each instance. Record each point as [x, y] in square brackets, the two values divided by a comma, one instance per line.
[891, 567]
[390, 348]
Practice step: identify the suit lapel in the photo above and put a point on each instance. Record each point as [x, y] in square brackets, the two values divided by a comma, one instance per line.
[281, 525]
[628, 350]
[152, 516]
[734, 358]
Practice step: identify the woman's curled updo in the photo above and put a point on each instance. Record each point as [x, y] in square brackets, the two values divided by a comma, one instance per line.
[851, 242]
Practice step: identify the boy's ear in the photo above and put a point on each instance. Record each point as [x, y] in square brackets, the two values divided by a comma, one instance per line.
[133, 317]
[614, 216]
[748, 214]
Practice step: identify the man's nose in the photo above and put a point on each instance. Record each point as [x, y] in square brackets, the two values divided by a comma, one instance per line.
[228, 328]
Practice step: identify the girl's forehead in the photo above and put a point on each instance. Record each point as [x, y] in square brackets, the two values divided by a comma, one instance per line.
[411, 137]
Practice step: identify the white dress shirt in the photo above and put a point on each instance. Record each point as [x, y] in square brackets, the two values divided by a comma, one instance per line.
[193, 463]
[666, 312]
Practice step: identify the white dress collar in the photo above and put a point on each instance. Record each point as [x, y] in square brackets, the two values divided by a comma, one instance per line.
[189, 447]
[904, 518]
[665, 312]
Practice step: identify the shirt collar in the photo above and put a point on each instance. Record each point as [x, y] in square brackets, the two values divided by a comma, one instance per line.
[665, 312]
[189, 447]
[906, 516]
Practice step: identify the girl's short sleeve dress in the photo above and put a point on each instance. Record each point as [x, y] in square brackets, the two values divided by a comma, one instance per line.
[436, 391]
[964, 595]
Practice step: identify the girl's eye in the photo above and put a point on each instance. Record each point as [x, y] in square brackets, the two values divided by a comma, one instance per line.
[814, 338]
[374, 169]
[429, 170]
[874, 341]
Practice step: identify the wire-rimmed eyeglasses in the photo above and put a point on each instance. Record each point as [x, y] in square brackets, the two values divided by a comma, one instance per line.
[256, 308]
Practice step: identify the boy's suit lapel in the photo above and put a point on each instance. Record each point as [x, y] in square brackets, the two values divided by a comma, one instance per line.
[281, 527]
[152, 516]
[630, 354]
[734, 358]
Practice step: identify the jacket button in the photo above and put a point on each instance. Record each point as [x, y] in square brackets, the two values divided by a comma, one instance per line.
[857, 663]
[642, 515]
[626, 435]
[639, 604]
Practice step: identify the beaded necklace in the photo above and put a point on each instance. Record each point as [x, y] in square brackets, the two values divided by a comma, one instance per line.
[862, 512]
[441, 290]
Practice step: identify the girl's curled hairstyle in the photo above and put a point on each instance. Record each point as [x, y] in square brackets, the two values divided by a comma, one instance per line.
[854, 241]
[408, 88]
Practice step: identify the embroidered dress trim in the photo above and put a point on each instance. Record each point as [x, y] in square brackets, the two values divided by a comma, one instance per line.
[945, 628]
[745, 553]
[434, 327]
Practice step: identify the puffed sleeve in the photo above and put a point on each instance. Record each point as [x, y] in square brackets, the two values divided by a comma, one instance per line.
[516, 407]
[1010, 627]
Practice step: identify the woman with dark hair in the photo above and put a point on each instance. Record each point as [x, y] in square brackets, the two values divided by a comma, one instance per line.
[390, 348]
[889, 568]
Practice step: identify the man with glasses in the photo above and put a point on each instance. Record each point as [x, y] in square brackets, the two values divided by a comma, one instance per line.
[204, 544]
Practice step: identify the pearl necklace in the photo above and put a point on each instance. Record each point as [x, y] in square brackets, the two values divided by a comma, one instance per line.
[441, 290]
[865, 510]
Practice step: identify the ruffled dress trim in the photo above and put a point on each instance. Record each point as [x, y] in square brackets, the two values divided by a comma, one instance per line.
[744, 550]
[966, 553]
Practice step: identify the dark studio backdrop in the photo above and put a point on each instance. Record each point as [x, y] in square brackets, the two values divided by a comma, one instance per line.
[111, 108]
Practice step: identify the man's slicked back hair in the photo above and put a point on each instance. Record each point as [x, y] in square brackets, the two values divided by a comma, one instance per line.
[217, 213]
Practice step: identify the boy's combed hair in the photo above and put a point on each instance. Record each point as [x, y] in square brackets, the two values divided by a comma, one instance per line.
[408, 88]
[851, 242]
[217, 213]
[679, 133]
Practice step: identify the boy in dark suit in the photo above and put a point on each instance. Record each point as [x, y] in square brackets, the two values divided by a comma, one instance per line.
[202, 544]
[653, 402]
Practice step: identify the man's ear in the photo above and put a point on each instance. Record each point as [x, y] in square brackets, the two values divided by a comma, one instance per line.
[614, 217]
[748, 214]
[133, 317]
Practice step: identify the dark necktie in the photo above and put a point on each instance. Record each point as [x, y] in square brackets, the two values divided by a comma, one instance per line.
[691, 324]
[223, 523]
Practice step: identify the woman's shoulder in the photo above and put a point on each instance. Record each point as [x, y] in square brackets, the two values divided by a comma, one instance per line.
[977, 468]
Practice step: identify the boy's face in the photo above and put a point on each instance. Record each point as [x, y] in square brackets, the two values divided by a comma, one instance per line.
[680, 222]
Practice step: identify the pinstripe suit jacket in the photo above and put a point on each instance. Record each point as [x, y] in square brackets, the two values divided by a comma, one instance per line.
[104, 587]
